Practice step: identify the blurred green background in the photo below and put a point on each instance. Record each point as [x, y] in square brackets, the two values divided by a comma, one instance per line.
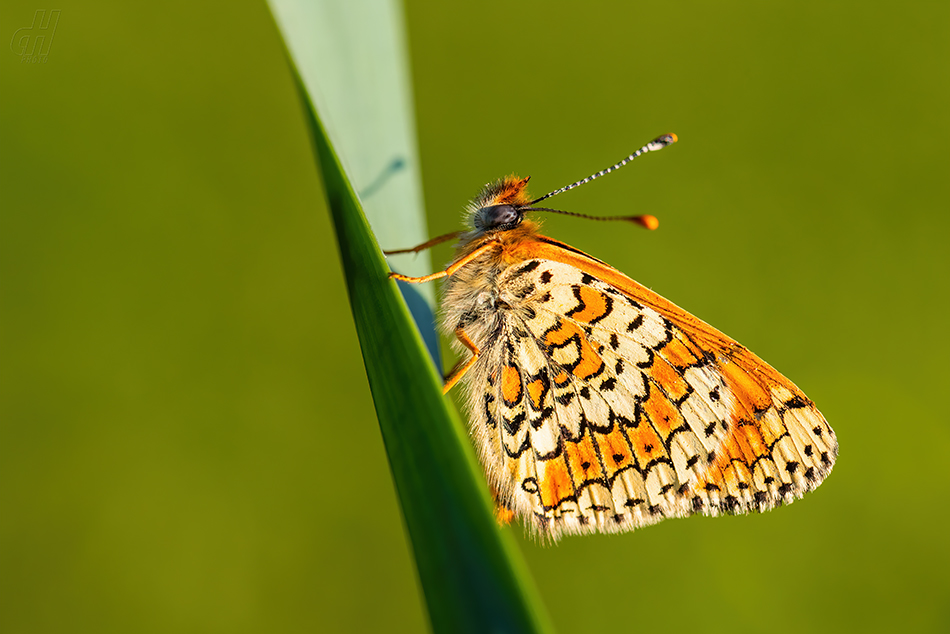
[188, 440]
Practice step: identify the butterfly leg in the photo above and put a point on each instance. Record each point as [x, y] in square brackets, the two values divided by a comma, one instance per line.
[460, 372]
[425, 245]
[455, 266]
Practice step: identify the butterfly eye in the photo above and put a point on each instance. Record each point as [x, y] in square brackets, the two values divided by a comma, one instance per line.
[498, 217]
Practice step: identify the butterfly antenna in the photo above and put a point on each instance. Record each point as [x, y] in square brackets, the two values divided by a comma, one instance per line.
[645, 220]
[656, 144]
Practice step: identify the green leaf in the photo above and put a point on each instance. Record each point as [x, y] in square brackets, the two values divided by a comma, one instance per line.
[471, 573]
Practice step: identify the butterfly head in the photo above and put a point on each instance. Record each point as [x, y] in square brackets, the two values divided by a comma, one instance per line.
[500, 205]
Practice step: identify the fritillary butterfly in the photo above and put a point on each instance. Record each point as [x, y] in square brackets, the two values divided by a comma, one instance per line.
[598, 406]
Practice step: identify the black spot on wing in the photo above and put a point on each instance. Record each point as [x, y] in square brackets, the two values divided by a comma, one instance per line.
[513, 424]
[649, 360]
[525, 445]
[668, 334]
[795, 402]
[525, 268]
[489, 416]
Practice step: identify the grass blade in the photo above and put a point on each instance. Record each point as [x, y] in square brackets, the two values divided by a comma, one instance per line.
[471, 574]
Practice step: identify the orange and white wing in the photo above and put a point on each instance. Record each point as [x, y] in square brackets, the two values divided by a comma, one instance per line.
[614, 409]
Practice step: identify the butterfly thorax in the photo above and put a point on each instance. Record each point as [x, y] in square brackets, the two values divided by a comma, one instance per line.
[473, 295]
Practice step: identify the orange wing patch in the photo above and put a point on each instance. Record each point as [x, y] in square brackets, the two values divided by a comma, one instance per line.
[663, 414]
[511, 385]
[616, 452]
[583, 461]
[669, 377]
[646, 444]
[536, 391]
[756, 397]
[556, 484]
[572, 351]
[681, 352]
[592, 305]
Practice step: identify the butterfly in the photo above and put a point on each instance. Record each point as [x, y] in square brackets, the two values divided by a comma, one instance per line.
[596, 405]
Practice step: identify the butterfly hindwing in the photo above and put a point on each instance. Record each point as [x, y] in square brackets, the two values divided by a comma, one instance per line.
[611, 413]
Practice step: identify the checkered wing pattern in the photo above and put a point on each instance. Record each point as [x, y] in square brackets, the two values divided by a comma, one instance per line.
[600, 409]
